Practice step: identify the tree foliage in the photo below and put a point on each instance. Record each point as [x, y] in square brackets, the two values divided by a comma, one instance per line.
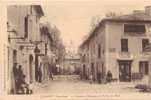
[56, 45]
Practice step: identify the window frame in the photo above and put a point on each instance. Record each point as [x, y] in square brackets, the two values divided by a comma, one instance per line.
[134, 24]
[124, 48]
[144, 45]
[144, 66]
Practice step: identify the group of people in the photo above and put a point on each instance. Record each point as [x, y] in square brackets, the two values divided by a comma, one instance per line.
[21, 86]
[108, 77]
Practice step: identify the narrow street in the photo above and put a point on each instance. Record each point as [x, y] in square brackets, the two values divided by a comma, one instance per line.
[79, 45]
[72, 85]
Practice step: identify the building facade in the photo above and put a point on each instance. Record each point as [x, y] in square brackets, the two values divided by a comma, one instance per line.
[23, 34]
[71, 64]
[117, 44]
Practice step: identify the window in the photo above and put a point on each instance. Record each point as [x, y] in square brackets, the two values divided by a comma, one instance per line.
[99, 50]
[26, 27]
[144, 43]
[143, 67]
[134, 28]
[124, 45]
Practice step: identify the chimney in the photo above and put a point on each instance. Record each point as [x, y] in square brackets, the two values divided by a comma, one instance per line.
[148, 11]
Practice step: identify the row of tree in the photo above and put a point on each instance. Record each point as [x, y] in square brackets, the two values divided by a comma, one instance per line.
[56, 44]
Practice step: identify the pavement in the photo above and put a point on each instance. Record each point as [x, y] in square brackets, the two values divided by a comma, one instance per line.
[68, 84]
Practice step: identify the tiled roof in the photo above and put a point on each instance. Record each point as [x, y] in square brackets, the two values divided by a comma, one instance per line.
[131, 17]
[138, 17]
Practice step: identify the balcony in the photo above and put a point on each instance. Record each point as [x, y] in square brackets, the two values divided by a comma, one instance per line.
[124, 56]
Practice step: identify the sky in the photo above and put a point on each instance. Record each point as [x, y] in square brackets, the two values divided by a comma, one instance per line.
[73, 17]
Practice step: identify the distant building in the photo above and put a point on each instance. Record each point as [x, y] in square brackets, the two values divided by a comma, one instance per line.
[117, 44]
[71, 62]
[23, 36]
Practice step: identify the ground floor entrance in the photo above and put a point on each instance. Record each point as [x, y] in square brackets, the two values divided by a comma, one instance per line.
[124, 70]
[84, 72]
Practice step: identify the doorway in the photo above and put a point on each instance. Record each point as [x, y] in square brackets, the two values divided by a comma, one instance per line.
[31, 68]
[84, 72]
[125, 71]
[93, 71]
[14, 56]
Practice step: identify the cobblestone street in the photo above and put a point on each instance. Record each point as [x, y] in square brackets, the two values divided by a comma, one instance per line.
[68, 85]
[83, 47]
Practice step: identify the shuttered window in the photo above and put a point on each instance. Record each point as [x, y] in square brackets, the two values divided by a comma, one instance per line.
[143, 67]
[124, 45]
[145, 42]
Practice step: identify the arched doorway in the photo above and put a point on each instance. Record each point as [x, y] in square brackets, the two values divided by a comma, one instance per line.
[31, 68]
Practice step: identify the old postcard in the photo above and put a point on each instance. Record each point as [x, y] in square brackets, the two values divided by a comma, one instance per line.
[75, 49]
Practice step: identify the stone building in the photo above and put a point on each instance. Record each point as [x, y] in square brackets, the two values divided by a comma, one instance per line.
[23, 38]
[71, 64]
[117, 44]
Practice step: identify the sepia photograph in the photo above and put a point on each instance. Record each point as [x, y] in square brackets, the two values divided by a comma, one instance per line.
[78, 47]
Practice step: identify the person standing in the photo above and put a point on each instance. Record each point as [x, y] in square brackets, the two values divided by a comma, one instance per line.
[40, 73]
[99, 76]
[50, 72]
[20, 77]
[20, 81]
[91, 78]
[15, 72]
[20, 71]
[109, 76]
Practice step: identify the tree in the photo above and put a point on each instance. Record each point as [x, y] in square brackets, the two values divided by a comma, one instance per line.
[56, 43]
[58, 46]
